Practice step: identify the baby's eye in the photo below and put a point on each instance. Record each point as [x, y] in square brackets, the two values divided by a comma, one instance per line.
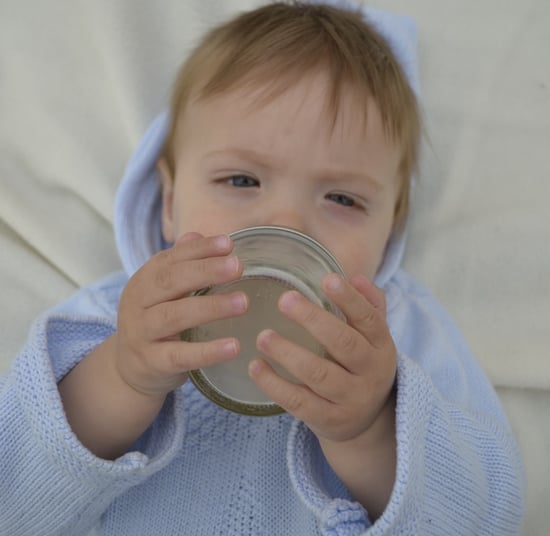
[342, 199]
[242, 181]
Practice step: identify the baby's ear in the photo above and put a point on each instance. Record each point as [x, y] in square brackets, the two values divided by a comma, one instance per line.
[167, 188]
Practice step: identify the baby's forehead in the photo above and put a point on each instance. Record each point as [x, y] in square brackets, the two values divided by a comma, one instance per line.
[287, 122]
[340, 99]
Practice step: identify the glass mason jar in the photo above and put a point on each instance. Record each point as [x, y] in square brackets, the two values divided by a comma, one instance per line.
[275, 259]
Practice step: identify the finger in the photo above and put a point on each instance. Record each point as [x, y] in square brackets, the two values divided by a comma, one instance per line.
[192, 246]
[165, 281]
[324, 377]
[177, 357]
[343, 342]
[363, 306]
[189, 247]
[296, 399]
[371, 292]
[172, 282]
[163, 268]
[170, 318]
[326, 419]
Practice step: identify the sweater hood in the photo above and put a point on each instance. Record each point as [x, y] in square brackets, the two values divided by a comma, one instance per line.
[137, 218]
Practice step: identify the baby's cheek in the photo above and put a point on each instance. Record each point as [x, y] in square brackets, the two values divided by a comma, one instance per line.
[197, 221]
[359, 261]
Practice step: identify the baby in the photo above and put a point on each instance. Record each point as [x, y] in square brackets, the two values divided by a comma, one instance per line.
[295, 115]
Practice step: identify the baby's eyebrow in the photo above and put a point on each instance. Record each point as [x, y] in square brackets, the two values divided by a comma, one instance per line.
[351, 177]
[263, 160]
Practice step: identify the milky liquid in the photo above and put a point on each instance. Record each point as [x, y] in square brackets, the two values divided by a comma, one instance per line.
[231, 378]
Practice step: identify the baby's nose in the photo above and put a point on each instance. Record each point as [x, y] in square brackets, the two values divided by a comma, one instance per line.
[292, 219]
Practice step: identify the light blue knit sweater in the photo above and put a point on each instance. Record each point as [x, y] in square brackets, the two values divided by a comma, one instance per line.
[201, 470]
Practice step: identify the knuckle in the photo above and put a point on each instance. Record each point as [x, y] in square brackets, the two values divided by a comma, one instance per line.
[202, 266]
[170, 255]
[217, 306]
[165, 257]
[318, 374]
[347, 340]
[311, 314]
[367, 317]
[163, 277]
[167, 314]
[294, 402]
[206, 355]
[174, 358]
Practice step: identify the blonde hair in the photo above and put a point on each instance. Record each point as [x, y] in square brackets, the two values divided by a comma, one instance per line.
[278, 44]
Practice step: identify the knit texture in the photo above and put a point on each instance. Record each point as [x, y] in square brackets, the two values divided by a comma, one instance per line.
[202, 470]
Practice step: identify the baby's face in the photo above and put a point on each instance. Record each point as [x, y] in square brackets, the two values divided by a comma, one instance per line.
[241, 164]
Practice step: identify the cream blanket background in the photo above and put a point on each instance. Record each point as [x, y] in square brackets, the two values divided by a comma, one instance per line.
[80, 80]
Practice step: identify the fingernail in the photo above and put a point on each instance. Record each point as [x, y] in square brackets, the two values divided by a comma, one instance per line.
[254, 367]
[263, 338]
[239, 302]
[288, 299]
[231, 264]
[230, 348]
[333, 281]
[222, 242]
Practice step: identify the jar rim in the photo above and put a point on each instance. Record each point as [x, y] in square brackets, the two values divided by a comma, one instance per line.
[287, 232]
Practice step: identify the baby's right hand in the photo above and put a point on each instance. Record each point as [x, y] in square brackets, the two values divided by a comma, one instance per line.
[156, 306]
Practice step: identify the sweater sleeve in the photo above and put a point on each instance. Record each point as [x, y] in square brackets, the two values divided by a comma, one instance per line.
[458, 466]
[50, 483]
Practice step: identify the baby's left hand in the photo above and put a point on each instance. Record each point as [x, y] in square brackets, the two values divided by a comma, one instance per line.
[338, 399]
